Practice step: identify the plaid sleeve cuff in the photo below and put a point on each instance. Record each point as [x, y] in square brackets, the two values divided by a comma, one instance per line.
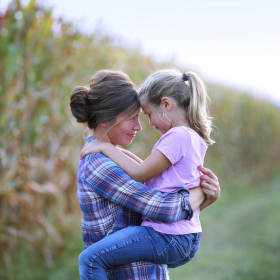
[186, 203]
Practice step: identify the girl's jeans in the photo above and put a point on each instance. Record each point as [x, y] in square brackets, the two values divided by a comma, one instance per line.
[137, 243]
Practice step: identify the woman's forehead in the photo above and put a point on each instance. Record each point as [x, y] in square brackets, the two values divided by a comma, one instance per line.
[128, 114]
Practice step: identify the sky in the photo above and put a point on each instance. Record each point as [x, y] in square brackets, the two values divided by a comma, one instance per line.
[236, 42]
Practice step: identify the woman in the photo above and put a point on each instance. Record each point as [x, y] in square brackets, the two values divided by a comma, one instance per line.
[109, 199]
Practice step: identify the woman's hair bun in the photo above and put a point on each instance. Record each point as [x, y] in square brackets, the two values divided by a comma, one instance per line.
[78, 104]
[111, 93]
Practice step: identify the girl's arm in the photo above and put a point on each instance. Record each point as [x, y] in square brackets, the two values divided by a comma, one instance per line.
[131, 155]
[153, 165]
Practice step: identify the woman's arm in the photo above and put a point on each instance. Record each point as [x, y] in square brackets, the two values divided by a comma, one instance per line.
[203, 196]
[207, 193]
[210, 186]
[102, 176]
[109, 181]
[153, 165]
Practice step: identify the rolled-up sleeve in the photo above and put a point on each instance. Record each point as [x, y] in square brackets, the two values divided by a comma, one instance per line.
[109, 181]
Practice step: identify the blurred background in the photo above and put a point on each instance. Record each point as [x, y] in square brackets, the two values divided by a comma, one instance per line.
[47, 48]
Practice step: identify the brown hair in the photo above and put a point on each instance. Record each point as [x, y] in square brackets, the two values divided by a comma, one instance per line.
[189, 92]
[110, 93]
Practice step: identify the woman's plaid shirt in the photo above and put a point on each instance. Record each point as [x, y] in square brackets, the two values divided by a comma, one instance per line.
[110, 200]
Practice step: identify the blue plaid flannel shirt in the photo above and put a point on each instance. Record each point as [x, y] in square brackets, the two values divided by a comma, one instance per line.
[111, 200]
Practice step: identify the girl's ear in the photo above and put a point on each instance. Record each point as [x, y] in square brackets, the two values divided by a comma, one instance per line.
[166, 103]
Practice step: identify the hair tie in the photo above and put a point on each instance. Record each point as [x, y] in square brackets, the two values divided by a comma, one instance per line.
[185, 77]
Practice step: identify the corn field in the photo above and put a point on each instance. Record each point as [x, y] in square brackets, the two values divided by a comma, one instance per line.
[42, 58]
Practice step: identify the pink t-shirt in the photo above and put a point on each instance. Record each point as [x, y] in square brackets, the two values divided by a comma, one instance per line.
[185, 149]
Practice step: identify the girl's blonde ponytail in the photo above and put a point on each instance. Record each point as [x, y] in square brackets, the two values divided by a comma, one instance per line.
[197, 107]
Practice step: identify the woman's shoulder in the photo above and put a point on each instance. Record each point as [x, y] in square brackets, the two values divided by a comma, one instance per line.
[99, 160]
[96, 167]
[95, 159]
[90, 139]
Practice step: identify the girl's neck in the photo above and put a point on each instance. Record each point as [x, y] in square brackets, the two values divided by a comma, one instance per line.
[178, 117]
[181, 123]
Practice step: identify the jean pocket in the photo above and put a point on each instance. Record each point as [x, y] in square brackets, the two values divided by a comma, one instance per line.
[172, 253]
[186, 246]
[184, 243]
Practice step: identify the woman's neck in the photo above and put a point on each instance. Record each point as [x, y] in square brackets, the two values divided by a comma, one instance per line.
[100, 134]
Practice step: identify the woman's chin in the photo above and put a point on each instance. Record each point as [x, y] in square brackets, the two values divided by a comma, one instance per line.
[127, 142]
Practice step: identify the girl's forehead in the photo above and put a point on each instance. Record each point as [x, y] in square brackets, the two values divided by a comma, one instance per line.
[145, 107]
[142, 101]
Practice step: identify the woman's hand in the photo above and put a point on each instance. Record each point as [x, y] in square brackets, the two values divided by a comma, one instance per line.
[210, 186]
[90, 148]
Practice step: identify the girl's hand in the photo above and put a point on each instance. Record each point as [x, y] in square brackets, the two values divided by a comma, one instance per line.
[210, 186]
[90, 148]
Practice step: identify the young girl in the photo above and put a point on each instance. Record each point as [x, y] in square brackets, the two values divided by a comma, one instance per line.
[177, 106]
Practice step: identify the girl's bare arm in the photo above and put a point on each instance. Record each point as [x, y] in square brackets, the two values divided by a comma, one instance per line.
[131, 155]
[153, 165]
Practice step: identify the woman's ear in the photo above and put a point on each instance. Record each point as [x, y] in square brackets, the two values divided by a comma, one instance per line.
[166, 103]
[104, 124]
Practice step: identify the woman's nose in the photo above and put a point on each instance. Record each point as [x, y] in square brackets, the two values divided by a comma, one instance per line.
[137, 126]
